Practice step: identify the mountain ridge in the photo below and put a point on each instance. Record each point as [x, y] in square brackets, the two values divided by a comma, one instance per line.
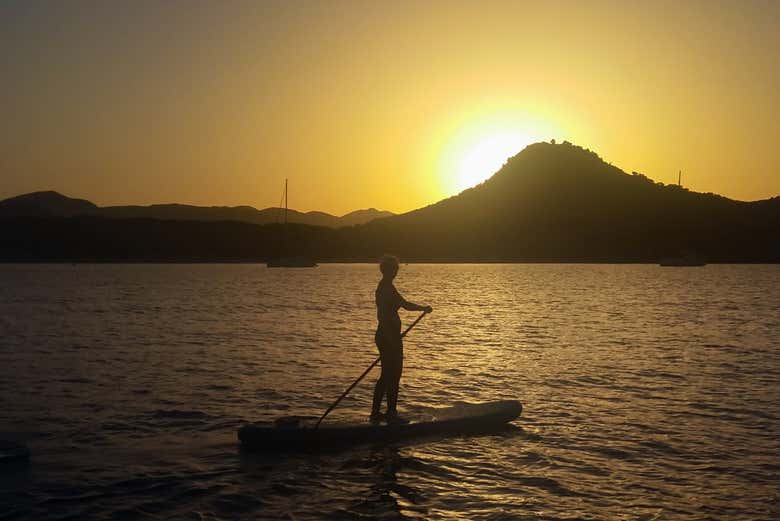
[549, 203]
[561, 201]
[54, 204]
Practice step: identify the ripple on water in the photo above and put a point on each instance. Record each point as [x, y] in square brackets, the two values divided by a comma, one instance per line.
[648, 394]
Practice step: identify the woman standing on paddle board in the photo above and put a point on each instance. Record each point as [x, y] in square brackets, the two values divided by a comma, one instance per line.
[388, 340]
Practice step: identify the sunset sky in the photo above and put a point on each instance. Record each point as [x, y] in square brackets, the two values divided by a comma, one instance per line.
[392, 105]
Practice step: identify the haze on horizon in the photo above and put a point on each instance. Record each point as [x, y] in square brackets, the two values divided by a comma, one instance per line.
[393, 105]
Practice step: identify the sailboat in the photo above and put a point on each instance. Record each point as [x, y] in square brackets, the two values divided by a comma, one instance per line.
[289, 262]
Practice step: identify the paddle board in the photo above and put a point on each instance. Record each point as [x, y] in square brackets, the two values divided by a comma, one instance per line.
[299, 433]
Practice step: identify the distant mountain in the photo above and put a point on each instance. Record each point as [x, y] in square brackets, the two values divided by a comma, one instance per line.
[363, 216]
[45, 204]
[549, 203]
[53, 204]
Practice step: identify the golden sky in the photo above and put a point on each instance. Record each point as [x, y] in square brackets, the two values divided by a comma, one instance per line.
[392, 105]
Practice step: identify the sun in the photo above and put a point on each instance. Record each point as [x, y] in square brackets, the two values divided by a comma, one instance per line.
[479, 146]
[471, 143]
[485, 155]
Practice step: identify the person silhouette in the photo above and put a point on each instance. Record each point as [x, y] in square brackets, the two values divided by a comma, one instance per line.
[388, 341]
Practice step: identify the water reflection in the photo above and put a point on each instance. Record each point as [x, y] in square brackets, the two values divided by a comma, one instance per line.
[646, 391]
[355, 484]
[396, 481]
[387, 493]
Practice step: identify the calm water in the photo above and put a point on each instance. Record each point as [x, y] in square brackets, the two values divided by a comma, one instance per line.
[650, 393]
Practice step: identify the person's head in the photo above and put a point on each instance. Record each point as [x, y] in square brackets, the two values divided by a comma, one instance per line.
[388, 265]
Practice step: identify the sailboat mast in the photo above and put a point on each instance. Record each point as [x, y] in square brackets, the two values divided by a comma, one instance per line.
[679, 178]
[285, 201]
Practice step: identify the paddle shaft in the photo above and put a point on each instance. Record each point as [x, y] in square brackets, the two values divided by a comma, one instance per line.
[345, 393]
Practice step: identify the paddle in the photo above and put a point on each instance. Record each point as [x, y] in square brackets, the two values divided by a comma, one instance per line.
[316, 425]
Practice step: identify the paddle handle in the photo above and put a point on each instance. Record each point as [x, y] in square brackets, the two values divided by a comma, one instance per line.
[345, 393]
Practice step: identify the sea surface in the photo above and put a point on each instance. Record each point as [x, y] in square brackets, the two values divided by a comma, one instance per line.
[649, 393]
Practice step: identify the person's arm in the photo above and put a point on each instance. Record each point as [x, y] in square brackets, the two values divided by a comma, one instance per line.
[411, 306]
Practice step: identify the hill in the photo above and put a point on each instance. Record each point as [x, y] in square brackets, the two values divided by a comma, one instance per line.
[560, 202]
[45, 204]
[549, 203]
[53, 204]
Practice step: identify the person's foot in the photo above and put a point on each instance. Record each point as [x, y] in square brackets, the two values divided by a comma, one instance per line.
[394, 419]
[377, 417]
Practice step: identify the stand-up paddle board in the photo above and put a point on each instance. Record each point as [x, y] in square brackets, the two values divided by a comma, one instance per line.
[299, 433]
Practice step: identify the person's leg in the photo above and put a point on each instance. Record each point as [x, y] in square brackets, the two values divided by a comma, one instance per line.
[379, 393]
[381, 383]
[393, 381]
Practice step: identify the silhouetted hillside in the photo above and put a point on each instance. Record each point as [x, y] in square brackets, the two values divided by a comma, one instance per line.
[562, 202]
[98, 239]
[44, 204]
[548, 203]
[363, 216]
[53, 204]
